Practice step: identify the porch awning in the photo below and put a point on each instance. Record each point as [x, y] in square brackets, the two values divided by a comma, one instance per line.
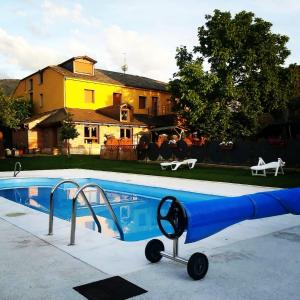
[167, 128]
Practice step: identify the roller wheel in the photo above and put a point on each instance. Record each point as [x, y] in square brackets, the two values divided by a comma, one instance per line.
[197, 266]
[153, 249]
[176, 216]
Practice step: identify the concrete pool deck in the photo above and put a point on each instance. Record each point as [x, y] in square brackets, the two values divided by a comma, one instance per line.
[251, 260]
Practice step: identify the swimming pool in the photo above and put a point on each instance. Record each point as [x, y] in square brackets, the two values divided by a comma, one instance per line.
[134, 205]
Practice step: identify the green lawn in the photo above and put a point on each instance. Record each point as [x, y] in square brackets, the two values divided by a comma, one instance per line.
[236, 175]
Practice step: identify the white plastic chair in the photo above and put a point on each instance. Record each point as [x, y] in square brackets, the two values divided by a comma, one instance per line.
[174, 165]
[261, 169]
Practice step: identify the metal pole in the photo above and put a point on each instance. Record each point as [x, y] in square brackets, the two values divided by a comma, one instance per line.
[113, 215]
[175, 247]
[51, 212]
[176, 258]
[16, 172]
[73, 222]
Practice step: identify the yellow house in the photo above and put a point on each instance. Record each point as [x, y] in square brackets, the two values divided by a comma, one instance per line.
[102, 103]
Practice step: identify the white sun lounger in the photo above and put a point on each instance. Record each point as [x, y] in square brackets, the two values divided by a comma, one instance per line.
[262, 168]
[174, 165]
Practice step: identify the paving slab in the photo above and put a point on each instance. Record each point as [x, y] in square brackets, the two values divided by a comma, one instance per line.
[30, 268]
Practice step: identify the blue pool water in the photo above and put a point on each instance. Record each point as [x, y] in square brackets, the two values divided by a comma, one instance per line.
[134, 205]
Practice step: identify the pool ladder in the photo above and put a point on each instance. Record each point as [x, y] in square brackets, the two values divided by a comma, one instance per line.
[80, 191]
[17, 168]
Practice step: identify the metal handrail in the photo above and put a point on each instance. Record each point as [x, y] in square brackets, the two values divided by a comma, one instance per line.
[17, 171]
[112, 213]
[51, 206]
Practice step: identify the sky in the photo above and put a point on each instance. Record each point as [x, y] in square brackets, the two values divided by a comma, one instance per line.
[38, 33]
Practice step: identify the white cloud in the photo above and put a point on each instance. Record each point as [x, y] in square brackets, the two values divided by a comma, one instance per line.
[53, 11]
[77, 47]
[145, 55]
[30, 57]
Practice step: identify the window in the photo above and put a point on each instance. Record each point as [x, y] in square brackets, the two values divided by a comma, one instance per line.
[125, 133]
[41, 77]
[41, 100]
[91, 135]
[117, 99]
[154, 106]
[163, 109]
[124, 115]
[142, 102]
[30, 84]
[31, 97]
[89, 96]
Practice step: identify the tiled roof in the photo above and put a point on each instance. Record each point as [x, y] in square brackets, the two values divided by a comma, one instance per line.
[134, 80]
[88, 115]
[38, 116]
[79, 57]
[112, 111]
[84, 116]
[111, 77]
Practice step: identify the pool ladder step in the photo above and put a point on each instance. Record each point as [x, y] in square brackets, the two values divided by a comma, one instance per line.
[80, 191]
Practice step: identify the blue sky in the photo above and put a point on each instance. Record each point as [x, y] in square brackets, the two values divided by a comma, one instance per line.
[37, 33]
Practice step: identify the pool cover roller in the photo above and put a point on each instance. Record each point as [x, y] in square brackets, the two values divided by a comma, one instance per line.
[202, 218]
[207, 217]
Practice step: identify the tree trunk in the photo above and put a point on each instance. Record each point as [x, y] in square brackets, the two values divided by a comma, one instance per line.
[68, 147]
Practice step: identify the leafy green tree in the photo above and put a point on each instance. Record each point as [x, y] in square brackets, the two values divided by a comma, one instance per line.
[246, 77]
[13, 111]
[68, 131]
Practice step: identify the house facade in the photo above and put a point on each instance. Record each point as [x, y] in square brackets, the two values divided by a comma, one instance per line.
[102, 104]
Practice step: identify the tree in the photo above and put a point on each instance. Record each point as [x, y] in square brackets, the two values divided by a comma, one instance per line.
[246, 77]
[68, 131]
[13, 111]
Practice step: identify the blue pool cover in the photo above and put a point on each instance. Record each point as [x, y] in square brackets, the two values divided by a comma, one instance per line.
[210, 216]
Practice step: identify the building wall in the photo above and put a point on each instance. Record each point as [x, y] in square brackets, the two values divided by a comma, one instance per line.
[83, 66]
[52, 90]
[79, 146]
[103, 96]
[102, 131]
[21, 90]
[131, 96]
[75, 97]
